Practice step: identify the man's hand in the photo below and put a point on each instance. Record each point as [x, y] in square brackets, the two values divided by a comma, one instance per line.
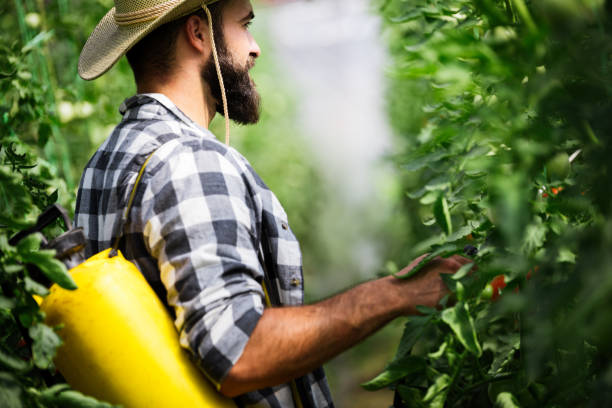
[427, 288]
[290, 341]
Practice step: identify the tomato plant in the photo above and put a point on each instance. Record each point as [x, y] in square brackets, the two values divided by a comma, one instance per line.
[28, 185]
[501, 111]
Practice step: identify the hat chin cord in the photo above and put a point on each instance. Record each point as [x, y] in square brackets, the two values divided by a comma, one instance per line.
[219, 76]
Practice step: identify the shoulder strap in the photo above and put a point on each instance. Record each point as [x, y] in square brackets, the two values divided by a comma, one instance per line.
[126, 213]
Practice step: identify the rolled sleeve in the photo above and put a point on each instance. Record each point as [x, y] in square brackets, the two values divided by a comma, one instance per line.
[199, 225]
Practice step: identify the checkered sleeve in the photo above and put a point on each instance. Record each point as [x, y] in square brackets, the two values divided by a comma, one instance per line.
[199, 224]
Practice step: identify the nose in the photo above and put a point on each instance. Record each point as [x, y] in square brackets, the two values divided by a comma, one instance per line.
[255, 50]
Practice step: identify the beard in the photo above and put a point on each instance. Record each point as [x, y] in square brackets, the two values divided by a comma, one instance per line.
[243, 100]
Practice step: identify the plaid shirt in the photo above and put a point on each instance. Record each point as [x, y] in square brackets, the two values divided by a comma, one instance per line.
[201, 222]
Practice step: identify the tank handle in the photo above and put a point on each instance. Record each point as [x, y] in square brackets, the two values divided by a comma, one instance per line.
[44, 220]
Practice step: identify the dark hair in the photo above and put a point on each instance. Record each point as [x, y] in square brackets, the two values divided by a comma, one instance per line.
[154, 55]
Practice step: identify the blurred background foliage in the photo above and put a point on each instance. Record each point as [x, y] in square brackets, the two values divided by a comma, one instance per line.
[501, 109]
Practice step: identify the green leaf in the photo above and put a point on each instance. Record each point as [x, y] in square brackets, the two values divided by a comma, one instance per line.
[450, 283]
[10, 391]
[44, 132]
[426, 310]
[504, 349]
[45, 344]
[443, 251]
[52, 199]
[429, 198]
[395, 371]
[13, 268]
[6, 302]
[60, 396]
[15, 198]
[27, 316]
[461, 232]
[413, 330]
[565, 255]
[460, 321]
[29, 244]
[31, 286]
[438, 353]
[463, 271]
[51, 267]
[442, 215]
[419, 162]
[53, 390]
[436, 393]
[14, 223]
[535, 236]
[417, 193]
[411, 396]
[13, 363]
[439, 183]
[41, 38]
[409, 16]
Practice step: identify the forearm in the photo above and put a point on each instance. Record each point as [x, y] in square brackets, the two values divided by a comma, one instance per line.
[291, 341]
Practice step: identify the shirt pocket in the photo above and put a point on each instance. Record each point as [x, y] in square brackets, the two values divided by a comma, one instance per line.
[283, 259]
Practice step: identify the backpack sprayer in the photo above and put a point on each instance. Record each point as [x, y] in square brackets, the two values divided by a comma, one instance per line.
[119, 342]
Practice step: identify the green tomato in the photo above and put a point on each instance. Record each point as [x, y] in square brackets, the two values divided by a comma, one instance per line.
[558, 167]
[487, 292]
[518, 394]
[460, 292]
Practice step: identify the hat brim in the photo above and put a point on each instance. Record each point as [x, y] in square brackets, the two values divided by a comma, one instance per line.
[109, 41]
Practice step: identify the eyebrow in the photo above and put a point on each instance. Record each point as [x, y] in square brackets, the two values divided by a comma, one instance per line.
[249, 16]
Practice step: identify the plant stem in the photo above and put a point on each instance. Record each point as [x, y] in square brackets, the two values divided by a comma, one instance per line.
[522, 10]
[509, 11]
[496, 378]
[25, 34]
[456, 371]
[61, 147]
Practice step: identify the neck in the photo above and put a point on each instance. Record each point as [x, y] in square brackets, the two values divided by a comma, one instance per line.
[188, 92]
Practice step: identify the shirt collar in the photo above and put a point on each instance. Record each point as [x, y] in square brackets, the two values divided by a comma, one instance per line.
[146, 98]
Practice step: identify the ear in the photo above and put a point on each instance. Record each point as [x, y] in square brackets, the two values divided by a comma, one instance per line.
[196, 33]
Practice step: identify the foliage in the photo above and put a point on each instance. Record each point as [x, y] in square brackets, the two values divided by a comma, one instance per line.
[29, 185]
[507, 159]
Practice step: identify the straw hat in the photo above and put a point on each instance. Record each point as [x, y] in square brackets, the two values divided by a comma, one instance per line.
[123, 26]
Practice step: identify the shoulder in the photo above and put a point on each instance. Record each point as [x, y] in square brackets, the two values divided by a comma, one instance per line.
[188, 168]
[191, 155]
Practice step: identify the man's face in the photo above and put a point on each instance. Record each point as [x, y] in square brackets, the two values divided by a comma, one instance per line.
[237, 51]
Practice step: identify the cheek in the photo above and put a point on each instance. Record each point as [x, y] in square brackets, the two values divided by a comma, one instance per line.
[238, 41]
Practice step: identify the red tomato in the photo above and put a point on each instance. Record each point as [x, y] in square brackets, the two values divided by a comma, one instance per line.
[556, 190]
[498, 283]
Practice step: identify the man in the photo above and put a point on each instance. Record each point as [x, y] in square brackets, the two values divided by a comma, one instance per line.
[210, 237]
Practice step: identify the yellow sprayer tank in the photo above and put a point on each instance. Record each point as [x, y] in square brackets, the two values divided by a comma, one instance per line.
[120, 344]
